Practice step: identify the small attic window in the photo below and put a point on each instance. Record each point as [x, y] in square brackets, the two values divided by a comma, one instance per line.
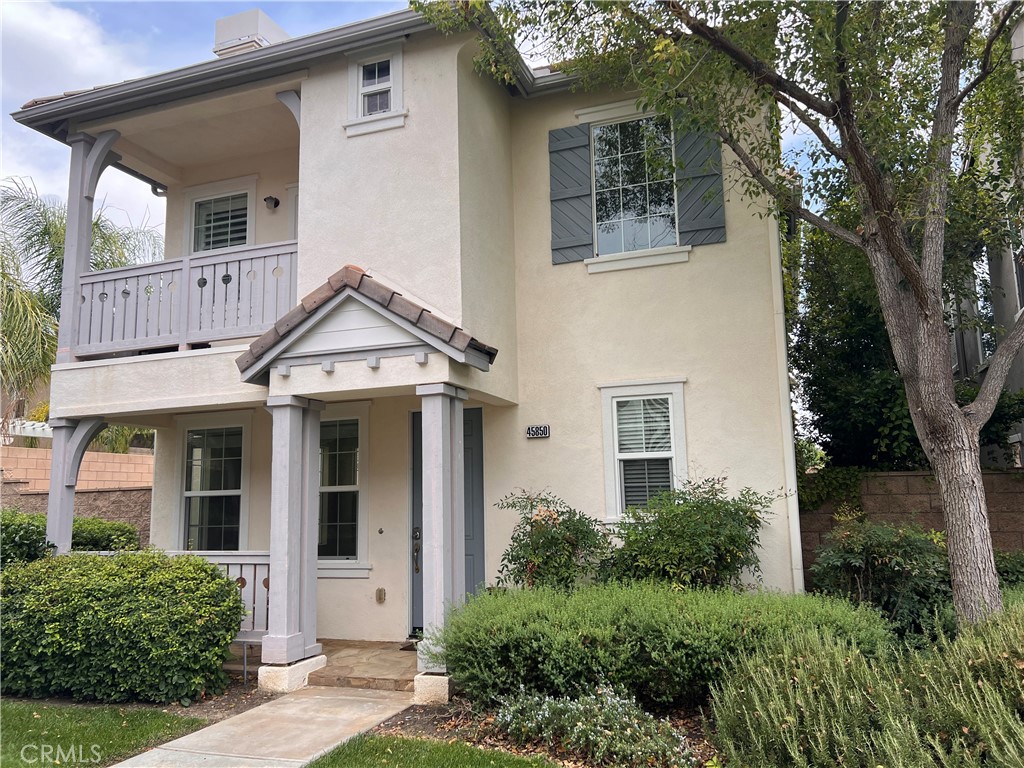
[375, 91]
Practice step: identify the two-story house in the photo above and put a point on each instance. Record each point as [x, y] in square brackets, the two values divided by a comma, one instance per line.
[395, 291]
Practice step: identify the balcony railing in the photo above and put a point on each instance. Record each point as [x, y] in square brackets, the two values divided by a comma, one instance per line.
[229, 294]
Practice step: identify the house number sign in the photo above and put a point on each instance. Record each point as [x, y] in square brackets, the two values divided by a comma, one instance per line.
[538, 430]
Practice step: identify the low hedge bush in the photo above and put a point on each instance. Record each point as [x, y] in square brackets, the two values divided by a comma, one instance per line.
[811, 699]
[23, 536]
[662, 645]
[1011, 569]
[138, 625]
[602, 728]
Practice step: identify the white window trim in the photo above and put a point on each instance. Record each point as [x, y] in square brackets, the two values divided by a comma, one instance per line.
[357, 124]
[328, 568]
[609, 114]
[213, 421]
[292, 201]
[225, 188]
[610, 393]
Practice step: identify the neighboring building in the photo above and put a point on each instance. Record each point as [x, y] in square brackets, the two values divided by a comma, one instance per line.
[520, 263]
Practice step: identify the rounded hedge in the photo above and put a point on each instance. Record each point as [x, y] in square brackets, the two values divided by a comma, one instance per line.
[23, 536]
[138, 625]
[665, 646]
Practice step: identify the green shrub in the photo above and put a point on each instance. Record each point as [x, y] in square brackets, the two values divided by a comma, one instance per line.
[92, 534]
[603, 728]
[1011, 568]
[138, 625]
[901, 570]
[694, 536]
[812, 699]
[22, 538]
[553, 545]
[662, 645]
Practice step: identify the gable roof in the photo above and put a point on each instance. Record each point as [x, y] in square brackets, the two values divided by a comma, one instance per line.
[353, 280]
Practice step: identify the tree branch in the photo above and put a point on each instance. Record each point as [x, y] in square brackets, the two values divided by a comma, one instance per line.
[785, 197]
[987, 65]
[758, 70]
[838, 152]
[980, 411]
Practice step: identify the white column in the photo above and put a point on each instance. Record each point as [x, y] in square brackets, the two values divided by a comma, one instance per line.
[70, 439]
[310, 523]
[444, 513]
[89, 157]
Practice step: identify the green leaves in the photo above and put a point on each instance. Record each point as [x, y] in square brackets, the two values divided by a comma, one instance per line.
[137, 625]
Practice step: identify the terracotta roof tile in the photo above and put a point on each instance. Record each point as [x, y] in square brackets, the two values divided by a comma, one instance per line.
[356, 279]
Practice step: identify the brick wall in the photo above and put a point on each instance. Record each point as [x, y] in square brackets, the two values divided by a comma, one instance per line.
[111, 486]
[99, 470]
[902, 496]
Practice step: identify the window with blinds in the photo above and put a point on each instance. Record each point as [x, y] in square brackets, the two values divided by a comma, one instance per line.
[643, 448]
[220, 222]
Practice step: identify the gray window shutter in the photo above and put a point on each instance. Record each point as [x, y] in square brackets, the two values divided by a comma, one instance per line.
[700, 196]
[572, 215]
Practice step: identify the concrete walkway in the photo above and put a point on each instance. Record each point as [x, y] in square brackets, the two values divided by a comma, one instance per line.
[285, 733]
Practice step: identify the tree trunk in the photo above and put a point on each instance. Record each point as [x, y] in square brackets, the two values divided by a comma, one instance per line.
[957, 466]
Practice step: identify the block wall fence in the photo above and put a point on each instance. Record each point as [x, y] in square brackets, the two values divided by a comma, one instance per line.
[111, 486]
[899, 497]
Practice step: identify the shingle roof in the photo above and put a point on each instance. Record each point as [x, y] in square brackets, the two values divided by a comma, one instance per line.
[354, 278]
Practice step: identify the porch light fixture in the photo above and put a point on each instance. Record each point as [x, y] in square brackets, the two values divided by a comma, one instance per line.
[271, 201]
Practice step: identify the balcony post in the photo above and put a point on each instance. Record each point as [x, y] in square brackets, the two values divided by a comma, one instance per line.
[89, 157]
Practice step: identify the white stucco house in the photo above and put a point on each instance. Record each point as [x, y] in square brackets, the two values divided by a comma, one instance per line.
[394, 291]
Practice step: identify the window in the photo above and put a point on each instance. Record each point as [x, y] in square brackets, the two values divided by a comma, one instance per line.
[634, 191]
[643, 442]
[213, 488]
[375, 87]
[221, 214]
[339, 490]
[375, 91]
[220, 222]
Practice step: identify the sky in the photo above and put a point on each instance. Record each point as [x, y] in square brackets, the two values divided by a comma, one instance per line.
[52, 47]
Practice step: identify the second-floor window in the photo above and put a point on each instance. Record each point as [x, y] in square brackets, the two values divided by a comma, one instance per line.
[375, 87]
[634, 192]
[220, 222]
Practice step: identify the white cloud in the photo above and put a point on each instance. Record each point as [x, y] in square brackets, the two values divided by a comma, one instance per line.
[48, 50]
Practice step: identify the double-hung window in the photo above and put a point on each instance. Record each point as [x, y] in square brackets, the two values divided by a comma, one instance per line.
[376, 99]
[634, 191]
[213, 488]
[375, 87]
[643, 442]
[339, 490]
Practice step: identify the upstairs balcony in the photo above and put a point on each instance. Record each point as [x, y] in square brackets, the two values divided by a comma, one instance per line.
[231, 293]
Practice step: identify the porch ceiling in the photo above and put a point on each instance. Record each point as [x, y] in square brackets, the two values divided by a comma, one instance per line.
[163, 142]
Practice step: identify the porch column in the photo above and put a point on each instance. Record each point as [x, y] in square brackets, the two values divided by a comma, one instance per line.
[89, 157]
[294, 482]
[70, 439]
[444, 507]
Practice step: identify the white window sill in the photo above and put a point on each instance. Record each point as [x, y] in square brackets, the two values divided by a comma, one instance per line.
[342, 569]
[374, 123]
[676, 254]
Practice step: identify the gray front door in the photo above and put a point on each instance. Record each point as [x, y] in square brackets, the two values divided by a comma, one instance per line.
[473, 433]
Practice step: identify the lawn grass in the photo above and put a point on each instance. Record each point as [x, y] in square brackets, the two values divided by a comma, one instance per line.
[39, 733]
[393, 752]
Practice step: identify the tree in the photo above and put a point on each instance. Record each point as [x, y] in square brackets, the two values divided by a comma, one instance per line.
[32, 231]
[890, 98]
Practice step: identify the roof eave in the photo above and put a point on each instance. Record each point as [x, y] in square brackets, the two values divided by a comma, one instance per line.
[213, 75]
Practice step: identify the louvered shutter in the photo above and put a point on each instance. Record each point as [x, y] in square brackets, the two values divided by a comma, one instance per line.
[572, 216]
[700, 195]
